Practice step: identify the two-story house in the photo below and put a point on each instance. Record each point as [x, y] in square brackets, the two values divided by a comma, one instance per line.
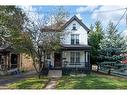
[75, 51]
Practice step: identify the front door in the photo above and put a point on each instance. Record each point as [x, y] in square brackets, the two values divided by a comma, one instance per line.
[14, 61]
[57, 62]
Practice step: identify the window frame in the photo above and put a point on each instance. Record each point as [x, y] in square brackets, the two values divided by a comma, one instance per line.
[74, 39]
[48, 56]
[74, 57]
[74, 27]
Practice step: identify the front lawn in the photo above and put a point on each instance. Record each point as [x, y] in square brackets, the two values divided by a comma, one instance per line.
[29, 83]
[93, 81]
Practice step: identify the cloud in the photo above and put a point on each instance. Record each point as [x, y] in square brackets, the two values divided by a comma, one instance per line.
[79, 16]
[84, 9]
[87, 8]
[105, 17]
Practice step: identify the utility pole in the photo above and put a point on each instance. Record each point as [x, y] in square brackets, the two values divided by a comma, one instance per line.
[126, 16]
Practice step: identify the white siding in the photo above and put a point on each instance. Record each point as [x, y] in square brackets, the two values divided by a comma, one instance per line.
[80, 30]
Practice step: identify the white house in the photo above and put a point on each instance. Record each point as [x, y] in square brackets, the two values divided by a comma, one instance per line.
[75, 51]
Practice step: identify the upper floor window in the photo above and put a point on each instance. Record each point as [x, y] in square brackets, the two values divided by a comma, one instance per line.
[74, 27]
[74, 39]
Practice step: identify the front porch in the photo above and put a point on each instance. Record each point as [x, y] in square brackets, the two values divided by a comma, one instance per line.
[70, 58]
[9, 61]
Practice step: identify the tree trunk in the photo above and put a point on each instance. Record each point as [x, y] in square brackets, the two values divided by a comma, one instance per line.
[40, 66]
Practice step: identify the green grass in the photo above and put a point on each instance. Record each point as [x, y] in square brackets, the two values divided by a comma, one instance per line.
[93, 81]
[29, 83]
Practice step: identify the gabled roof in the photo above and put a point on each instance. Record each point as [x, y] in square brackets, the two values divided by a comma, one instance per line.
[62, 25]
[78, 20]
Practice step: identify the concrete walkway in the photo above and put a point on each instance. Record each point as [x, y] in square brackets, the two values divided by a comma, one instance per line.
[4, 80]
[52, 84]
[54, 75]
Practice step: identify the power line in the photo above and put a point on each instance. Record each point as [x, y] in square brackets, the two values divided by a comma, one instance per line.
[121, 18]
[110, 10]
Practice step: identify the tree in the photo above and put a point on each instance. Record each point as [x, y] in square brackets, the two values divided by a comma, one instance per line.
[11, 23]
[111, 51]
[95, 36]
[40, 37]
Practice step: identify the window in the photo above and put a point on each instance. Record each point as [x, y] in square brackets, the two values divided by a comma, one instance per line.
[74, 39]
[1, 60]
[74, 27]
[48, 56]
[75, 57]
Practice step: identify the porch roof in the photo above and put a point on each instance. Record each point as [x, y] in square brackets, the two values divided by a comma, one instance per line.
[75, 47]
[5, 48]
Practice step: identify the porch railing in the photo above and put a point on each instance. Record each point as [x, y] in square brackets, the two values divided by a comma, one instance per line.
[7, 67]
[77, 65]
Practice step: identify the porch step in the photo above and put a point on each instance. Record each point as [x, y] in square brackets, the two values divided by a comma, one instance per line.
[55, 73]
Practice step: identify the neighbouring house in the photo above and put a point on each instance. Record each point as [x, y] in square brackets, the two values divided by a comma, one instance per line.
[125, 60]
[11, 61]
[75, 51]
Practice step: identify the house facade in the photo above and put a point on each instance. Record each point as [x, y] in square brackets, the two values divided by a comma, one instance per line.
[10, 61]
[75, 51]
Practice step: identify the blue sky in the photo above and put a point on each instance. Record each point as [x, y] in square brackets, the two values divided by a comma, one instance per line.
[89, 14]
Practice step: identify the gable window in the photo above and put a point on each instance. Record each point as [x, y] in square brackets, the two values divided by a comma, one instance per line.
[74, 27]
[74, 39]
[75, 57]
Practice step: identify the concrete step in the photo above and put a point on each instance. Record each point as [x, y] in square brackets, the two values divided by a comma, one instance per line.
[55, 73]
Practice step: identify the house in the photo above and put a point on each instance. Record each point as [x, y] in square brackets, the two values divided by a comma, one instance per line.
[11, 61]
[75, 51]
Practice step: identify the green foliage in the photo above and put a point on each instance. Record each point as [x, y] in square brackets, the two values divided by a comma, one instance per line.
[112, 47]
[11, 24]
[95, 35]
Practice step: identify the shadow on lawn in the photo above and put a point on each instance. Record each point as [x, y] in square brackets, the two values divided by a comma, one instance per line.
[29, 84]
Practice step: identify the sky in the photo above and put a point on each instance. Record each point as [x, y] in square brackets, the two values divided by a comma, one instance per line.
[88, 14]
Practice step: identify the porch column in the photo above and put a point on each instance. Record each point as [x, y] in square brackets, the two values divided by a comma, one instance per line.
[84, 58]
[18, 61]
[9, 60]
[5, 61]
[61, 59]
[89, 65]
